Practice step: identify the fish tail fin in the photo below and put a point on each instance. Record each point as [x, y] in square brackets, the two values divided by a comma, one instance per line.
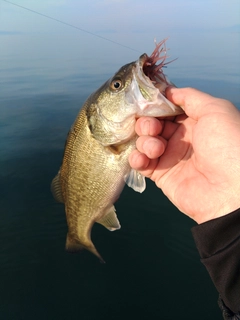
[73, 245]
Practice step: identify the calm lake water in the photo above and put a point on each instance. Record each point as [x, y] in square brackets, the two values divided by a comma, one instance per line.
[153, 270]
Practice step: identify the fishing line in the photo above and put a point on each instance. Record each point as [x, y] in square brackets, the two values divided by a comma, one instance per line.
[70, 25]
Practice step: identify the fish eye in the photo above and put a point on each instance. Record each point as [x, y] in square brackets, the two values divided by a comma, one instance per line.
[116, 84]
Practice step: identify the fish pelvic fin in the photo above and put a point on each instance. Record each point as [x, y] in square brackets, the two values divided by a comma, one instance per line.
[110, 220]
[56, 189]
[73, 246]
[135, 180]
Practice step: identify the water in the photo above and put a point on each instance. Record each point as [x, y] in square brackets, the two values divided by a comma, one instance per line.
[153, 269]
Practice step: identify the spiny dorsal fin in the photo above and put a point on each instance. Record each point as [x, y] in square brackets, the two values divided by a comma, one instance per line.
[56, 189]
[110, 220]
[136, 181]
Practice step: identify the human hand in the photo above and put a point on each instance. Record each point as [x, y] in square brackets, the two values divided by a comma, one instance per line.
[194, 158]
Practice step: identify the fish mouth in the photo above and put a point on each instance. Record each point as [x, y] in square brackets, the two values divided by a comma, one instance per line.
[149, 85]
[142, 77]
[151, 72]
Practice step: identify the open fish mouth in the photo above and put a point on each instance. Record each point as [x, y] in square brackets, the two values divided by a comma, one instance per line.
[152, 66]
[149, 84]
[153, 70]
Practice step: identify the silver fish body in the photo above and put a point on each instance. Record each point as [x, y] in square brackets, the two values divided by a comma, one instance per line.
[95, 164]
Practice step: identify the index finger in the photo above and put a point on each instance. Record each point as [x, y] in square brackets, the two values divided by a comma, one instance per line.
[148, 126]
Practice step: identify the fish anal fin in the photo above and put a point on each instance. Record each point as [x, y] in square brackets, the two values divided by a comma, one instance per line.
[56, 189]
[74, 246]
[135, 180]
[110, 220]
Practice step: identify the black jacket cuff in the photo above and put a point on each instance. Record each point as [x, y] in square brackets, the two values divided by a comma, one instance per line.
[218, 243]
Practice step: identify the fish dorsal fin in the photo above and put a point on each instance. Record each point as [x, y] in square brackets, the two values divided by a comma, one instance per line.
[136, 181]
[110, 220]
[56, 189]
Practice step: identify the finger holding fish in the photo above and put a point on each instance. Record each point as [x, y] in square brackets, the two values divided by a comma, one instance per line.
[153, 147]
[148, 126]
[139, 161]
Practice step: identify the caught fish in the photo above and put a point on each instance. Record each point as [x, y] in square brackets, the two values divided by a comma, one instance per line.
[95, 164]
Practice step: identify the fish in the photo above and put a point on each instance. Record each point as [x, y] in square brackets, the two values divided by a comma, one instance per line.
[95, 165]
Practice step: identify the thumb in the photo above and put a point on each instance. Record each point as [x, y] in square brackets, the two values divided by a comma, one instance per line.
[196, 103]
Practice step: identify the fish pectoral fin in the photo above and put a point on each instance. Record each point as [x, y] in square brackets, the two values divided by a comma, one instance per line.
[56, 189]
[136, 181]
[110, 220]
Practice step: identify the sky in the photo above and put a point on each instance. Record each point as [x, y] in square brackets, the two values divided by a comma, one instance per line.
[120, 16]
[202, 35]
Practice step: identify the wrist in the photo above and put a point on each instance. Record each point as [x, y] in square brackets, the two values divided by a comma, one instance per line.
[223, 209]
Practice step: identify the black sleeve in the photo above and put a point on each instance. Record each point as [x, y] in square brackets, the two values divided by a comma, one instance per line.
[218, 243]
